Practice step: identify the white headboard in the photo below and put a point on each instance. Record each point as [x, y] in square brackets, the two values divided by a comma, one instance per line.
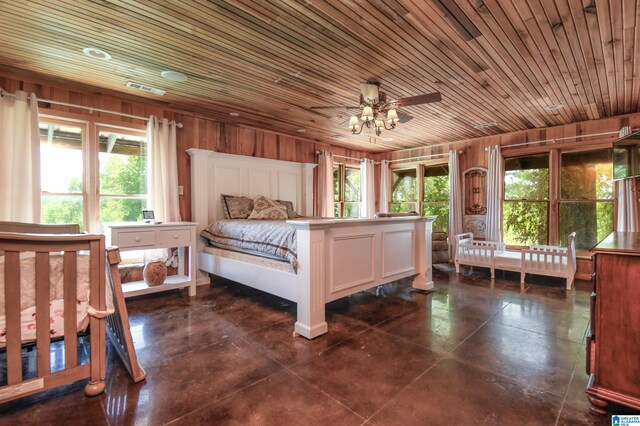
[214, 173]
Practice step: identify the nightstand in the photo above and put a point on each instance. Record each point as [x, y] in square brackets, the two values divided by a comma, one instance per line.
[140, 236]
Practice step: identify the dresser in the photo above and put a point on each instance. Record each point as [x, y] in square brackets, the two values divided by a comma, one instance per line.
[141, 236]
[613, 341]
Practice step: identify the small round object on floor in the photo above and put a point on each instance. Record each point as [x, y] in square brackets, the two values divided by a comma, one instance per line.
[154, 273]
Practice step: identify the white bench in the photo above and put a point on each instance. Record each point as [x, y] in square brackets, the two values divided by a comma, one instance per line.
[546, 260]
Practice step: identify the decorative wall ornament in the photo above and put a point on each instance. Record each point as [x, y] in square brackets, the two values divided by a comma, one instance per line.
[475, 201]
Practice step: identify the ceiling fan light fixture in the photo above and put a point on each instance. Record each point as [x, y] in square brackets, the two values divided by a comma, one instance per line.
[392, 116]
[367, 113]
[353, 123]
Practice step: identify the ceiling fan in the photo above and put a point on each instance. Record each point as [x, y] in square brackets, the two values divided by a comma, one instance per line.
[376, 111]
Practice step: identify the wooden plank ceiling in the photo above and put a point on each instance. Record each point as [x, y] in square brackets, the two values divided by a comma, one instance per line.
[503, 61]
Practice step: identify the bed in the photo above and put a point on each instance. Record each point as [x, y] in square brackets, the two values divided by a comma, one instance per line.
[63, 277]
[334, 257]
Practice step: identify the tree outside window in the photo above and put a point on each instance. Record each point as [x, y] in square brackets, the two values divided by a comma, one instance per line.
[436, 195]
[586, 197]
[525, 208]
[346, 191]
[404, 191]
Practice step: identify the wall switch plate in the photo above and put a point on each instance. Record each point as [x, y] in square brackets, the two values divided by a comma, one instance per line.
[180, 190]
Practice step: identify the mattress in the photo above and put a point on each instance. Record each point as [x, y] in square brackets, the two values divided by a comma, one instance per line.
[56, 315]
[273, 238]
[261, 260]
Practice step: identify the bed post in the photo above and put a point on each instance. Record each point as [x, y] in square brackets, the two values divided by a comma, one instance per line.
[311, 278]
[424, 279]
[199, 202]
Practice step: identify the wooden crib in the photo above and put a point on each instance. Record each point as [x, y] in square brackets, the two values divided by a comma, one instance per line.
[65, 243]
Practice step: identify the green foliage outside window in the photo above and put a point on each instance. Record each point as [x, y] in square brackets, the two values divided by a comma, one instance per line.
[404, 191]
[526, 195]
[436, 196]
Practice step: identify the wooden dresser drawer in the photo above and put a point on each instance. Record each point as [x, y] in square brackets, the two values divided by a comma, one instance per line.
[136, 239]
[174, 238]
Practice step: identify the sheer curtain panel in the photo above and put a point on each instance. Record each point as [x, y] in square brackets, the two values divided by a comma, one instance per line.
[628, 220]
[455, 198]
[19, 158]
[324, 205]
[494, 194]
[163, 170]
[385, 186]
[368, 191]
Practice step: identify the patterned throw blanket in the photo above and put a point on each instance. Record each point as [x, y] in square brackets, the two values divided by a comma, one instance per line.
[269, 237]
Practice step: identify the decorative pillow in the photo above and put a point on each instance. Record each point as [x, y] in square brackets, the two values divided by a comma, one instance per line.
[266, 208]
[291, 213]
[236, 207]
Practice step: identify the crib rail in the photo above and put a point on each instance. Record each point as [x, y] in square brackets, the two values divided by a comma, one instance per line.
[44, 245]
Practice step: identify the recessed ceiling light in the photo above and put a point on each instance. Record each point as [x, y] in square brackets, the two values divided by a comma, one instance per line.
[173, 76]
[301, 130]
[234, 114]
[95, 53]
[483, 125]
[555, 107]
[294, 73]
[387, 139]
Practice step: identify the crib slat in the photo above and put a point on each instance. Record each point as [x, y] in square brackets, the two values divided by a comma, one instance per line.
[12, 316]
[43, 320]
[70, 266]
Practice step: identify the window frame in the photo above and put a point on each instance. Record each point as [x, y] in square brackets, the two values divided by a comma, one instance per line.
[417, 203]
[423, 203]
[90, 155]
[342, 176]
[553, 228]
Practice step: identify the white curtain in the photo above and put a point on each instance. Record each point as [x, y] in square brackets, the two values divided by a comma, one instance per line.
[628, 220]
[368, 191]
[455, 197]
[385, 186]
[494, 194]
[163, 170]
[325, 185]
[19, 158]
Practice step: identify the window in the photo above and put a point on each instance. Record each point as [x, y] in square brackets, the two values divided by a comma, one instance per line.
[90, 182]
[62, 173]
[123, 176]
[526, 200]
[346, 191]
[404, 191]
[436, 195]
[586, 196]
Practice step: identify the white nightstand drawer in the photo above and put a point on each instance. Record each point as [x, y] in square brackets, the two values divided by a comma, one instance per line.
[174, 238]
[136, 239]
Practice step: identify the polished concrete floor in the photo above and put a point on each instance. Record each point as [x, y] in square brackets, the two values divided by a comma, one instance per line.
[468, 353]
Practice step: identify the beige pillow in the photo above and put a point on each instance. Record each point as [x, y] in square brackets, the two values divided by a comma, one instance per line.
[236, 207]
[268, 209]
[291, 213]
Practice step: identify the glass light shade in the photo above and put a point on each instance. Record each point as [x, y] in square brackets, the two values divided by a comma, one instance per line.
[392, 116]
[379, 124]
[367, 113]
[353, 121]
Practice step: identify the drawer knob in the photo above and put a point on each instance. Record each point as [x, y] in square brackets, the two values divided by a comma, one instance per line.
[136, 239]
[175, 237]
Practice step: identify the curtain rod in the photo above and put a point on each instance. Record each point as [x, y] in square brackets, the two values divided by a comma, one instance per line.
[554, 140]
[91, 109]
[399, 160]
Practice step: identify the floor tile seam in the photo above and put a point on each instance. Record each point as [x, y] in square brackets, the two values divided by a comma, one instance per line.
[512, 379]
[322, 391]
[222, 398]
[573, 374]
[353, 336]
[536, 332]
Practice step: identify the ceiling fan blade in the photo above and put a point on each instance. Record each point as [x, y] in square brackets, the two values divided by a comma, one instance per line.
[404, 117]
[417, 100]
[334, 107]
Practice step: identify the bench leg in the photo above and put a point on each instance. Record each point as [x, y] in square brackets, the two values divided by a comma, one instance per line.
[493, 273]
[570, 282]
[522, 275]
[457, 267]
